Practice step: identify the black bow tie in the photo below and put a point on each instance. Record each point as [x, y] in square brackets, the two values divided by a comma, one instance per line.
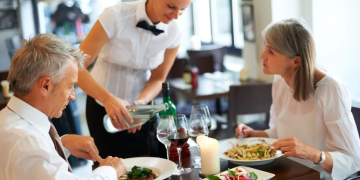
[147, 26]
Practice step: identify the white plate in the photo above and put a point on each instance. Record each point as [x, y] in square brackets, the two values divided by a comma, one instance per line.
[262, 175]
[225, 145]
[161, 167]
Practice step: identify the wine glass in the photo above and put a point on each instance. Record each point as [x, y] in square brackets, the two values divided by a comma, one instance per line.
[202, 109]
[178, 136]
[166, 122]
[197, 127]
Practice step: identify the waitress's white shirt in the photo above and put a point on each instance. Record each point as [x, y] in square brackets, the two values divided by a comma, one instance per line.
[124, 63]
[324, 121]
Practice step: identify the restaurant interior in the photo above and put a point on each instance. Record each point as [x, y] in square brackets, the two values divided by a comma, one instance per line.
[220, 53]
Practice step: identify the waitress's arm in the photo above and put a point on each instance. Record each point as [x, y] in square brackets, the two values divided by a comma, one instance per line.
[114, 106]
[158, 76]
[92, 45]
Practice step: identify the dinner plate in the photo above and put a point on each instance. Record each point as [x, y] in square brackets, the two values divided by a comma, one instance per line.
[262, 175]
[161, 167]
[227, 144]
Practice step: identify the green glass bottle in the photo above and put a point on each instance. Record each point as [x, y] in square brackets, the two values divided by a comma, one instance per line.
[166, 99]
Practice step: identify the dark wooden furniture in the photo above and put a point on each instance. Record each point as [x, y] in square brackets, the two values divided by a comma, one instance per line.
[249, 99]
[207, 89]
[3, 101]
[209, 59]
[283, 168]
[356, 113]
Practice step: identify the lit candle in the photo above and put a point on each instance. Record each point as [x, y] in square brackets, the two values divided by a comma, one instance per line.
[209, 153]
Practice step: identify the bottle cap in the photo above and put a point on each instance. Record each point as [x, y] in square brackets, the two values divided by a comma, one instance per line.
[165, 85]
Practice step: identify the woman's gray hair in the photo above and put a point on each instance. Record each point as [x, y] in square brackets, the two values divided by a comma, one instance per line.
[43, 55]
[292, 37]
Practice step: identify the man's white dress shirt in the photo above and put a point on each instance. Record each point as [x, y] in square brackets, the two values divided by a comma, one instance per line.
[27, 151]
[324, 121]
[124, 63]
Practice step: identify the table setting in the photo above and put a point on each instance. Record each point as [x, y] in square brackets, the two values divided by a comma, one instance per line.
[251, 158]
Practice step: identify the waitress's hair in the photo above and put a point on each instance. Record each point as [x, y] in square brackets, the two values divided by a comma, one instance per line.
[292, 37]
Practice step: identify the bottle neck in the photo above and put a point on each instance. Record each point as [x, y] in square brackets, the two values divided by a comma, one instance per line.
[166, 95]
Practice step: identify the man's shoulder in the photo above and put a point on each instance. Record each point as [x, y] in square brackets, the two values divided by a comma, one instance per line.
[14, 130]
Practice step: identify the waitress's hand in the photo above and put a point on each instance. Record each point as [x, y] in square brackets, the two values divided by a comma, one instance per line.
[133, 130]
[115, 107]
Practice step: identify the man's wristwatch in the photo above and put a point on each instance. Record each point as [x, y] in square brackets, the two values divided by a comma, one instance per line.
[322, 158]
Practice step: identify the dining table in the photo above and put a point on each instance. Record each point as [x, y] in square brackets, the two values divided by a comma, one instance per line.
[210, 86]
[282, 167]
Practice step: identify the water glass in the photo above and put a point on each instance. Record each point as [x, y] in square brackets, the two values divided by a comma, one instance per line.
[166, 122]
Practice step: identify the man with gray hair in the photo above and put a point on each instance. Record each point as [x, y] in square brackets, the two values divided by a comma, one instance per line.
[42, 76]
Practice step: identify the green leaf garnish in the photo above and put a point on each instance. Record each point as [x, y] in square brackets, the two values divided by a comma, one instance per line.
[139, 172]
[253, 176]
[210, 177]
[260, 152]
[232, 173]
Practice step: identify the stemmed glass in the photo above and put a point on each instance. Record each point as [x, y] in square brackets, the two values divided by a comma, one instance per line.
[201, 110]
[166, 122]
[178, 136]
[204, 110]
[197, 127]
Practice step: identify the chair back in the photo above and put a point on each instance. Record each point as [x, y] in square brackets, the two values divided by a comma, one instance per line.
[209, 59]
[356, 113]
[248, 99]
[177, 68]
[13, 43]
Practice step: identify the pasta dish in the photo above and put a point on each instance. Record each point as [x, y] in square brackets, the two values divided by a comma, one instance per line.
[253, 152]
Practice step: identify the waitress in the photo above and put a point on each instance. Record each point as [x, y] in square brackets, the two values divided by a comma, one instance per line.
[136, 44]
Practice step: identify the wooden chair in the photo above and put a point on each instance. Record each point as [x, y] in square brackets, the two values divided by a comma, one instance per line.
[356, 113]
[248, 99]
[209, 59]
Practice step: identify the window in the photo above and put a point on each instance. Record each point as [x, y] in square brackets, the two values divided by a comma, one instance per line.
[220, 22]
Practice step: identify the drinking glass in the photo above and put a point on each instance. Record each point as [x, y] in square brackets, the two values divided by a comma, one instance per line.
[201, 110]
[204, 110]
[197, 127]
[178, 136]
[166, 122]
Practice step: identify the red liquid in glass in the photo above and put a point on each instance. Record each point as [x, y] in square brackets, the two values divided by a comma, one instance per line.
[178, 140]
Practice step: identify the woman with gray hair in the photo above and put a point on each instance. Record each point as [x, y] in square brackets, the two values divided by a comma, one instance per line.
[311, 110]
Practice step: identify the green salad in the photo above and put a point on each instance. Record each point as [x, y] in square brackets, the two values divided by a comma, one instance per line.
[139, 172]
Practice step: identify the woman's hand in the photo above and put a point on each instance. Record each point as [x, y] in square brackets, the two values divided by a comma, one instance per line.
[245, 130]
[115, 107]
[133, 130]
[295, 148]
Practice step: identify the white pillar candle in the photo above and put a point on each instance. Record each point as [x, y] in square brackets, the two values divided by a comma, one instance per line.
[209, 153]
[5, 88]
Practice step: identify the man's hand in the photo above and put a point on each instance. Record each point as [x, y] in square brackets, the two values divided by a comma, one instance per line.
[116, 163]
[81, 146]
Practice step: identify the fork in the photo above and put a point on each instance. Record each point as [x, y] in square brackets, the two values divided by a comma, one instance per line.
[261, 140]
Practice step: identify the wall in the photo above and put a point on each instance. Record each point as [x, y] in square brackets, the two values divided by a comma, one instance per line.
[265, 12]
[284, 9]
[263, 17]
[336, 31]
